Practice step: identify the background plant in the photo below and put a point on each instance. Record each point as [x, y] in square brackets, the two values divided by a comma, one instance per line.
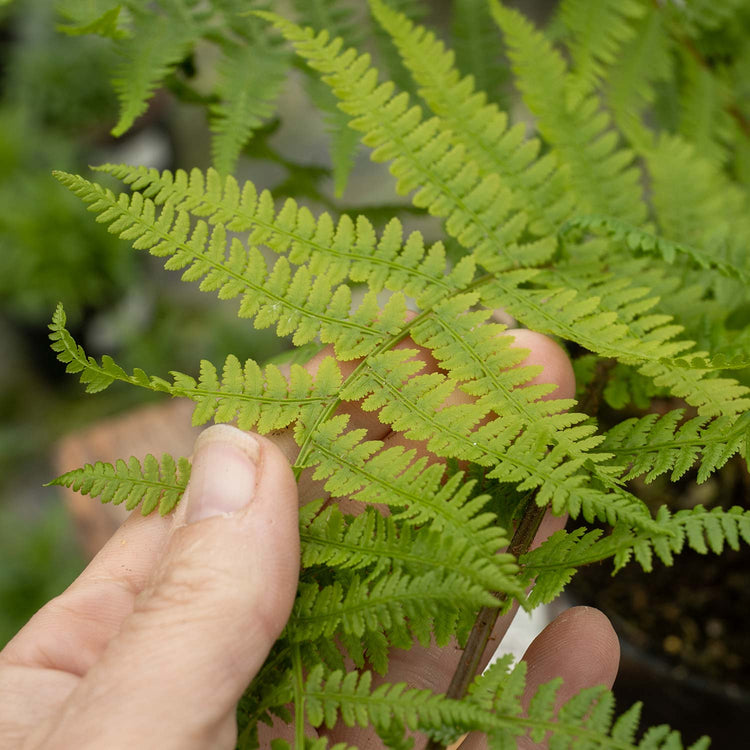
[623, 235]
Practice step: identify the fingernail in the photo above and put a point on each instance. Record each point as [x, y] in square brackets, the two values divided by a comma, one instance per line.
[224, 472]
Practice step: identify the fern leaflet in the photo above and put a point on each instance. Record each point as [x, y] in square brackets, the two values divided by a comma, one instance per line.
[152, 484]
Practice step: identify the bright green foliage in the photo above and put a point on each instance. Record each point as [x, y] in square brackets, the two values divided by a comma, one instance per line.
[106, 24]
[553, 564]
[647, 287]
[371, 541]
[156, 40]
[573, 123]
[152, 484]
[640, 241]
[669, 444]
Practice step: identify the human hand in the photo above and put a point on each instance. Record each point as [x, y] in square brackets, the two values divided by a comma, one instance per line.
[155, 642]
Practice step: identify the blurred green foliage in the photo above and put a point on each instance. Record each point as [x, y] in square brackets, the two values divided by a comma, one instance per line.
[39, 559]
[50, 114]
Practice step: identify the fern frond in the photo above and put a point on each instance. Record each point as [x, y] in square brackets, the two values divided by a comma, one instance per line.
[408, 402]
[636, 239]
[339, 250]
[475, 354]
[152, 484]
[107, 24]
[585, 720]
[295, 302]
[94, 375]
[349, 697]
[344, 141]
[709, 210]
[397, 606]
[157, 44]
[263, 399]
[645, 61]
[537, 188]
[646, 341]
[699, 16]
[369, 104]
[705, 530]
[551, 565]
[251, 76]
[654, 445]
[380, 544]
[476, 48]
[602, 173]
[705, 121]
[414, 488]
[450, 185]
[597, 33]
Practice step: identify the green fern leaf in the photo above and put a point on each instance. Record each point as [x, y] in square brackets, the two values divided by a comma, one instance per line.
[645, 61]
[296, 303]
[380, 544]
[349, 696]
[422, 153]
[475, 46]
[394, 605]
[536, 187]
[251, 75]
[647, 341]
[636, 239]
[94, 375]
[262, 399]
[106, 24]
[337, 250]
[414, 489]
[705, 119]
[555, 561]
[597, 33]
[654, 445]
[703, 15]
[157, 44]
[602, 174]
[152, 484]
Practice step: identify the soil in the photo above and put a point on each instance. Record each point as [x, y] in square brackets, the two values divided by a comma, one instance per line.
[693, 615]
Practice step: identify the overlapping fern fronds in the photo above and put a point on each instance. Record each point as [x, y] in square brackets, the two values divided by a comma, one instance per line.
[553, 227]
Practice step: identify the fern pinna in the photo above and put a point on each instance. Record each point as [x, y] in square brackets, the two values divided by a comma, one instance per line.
[556, 229]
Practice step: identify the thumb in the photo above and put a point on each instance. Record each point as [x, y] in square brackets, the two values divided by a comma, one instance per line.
[215, 604]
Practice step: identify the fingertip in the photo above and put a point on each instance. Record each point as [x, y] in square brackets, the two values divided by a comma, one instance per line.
[551, 356]
[580, 646]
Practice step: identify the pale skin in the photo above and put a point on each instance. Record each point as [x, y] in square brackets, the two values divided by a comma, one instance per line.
[156, 640]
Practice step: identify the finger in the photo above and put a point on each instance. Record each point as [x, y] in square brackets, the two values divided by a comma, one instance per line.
[205, 621]
[581, 647]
